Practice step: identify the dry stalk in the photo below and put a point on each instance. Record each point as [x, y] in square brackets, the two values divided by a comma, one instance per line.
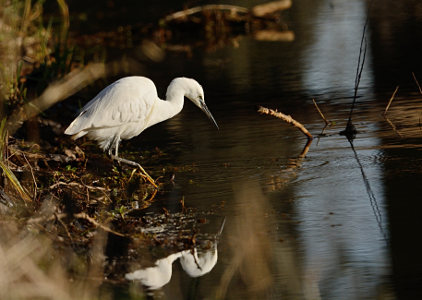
[287, 118]
[305, 149]
[320, 113]
[391, 99]
[417, 83]
[393, 126]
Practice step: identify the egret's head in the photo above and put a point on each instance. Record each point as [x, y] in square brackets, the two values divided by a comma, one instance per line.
[195, 93]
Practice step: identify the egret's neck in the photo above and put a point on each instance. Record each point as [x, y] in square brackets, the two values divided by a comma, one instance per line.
[166, 109]
[177, 91]
[175, 96]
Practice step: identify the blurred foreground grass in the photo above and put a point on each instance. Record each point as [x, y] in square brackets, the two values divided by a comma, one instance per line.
[31, 261]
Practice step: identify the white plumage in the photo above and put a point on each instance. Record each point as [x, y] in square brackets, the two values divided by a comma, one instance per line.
[157, 276]
[198, 265]
[128, 106]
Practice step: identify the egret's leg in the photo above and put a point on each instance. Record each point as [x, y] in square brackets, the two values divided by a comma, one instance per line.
[117, 147]
[116, 157]
[110, 148]
[136, 165]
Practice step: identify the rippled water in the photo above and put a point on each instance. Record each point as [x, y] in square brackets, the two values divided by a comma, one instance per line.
[340, 223]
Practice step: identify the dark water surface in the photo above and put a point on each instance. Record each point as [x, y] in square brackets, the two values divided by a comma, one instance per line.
[336, 224]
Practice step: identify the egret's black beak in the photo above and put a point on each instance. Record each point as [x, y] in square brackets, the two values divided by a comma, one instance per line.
[205, 109]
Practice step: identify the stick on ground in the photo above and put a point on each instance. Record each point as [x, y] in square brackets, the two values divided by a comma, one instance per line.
[288, 119]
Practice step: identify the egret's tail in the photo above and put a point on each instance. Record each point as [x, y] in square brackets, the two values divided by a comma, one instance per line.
[74, 131]
[79, 134]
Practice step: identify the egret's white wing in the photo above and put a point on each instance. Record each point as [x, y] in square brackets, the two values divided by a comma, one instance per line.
[127, 100]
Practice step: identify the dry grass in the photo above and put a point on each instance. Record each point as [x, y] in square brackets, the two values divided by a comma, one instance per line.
[32, 266]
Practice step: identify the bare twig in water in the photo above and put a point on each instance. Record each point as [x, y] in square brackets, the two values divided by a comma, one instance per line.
[391, 100]
[350, 130]
[321, 114]
[417, 83]
[295, 163]
[288, 119]
[182, 202]
[385, 112]
[305, 149]
[393, 126]
[358, 77]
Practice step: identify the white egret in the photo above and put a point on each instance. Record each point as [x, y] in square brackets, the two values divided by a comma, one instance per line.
[128, 106]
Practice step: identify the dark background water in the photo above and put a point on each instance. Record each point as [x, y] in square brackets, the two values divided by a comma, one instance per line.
[296, 228]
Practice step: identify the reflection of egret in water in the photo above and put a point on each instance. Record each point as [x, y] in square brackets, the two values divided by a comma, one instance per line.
[157, 276]
[197, 265]
[194, 262]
